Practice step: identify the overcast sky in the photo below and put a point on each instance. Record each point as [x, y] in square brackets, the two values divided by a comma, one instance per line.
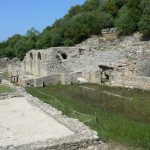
[18, 16]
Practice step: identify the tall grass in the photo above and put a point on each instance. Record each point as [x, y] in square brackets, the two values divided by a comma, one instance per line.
[5, 89]
[123, 120]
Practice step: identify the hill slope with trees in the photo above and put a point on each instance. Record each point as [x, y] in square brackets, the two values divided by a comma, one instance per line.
[80, 23]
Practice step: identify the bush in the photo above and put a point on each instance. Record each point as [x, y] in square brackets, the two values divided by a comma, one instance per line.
[144, 25]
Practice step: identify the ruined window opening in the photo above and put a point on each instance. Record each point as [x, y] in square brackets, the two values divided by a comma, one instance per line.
[107, 77]
[39, 56]
[81, 51]
[105, 73]
[31, 55]
[44, 85]
[64, 56]
[104, 68]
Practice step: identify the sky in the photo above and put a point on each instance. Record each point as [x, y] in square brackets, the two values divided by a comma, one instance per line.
[18, 16]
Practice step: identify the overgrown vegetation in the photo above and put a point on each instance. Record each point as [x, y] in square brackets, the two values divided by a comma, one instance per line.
[124, 114]
[82, 21]
[5, 89]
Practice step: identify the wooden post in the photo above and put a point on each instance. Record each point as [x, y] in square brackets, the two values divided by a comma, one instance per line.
[11, 77]
[96, 118]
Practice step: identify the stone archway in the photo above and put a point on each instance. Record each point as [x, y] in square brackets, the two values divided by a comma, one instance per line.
[64, 55]
[39, 58]
[31, 62]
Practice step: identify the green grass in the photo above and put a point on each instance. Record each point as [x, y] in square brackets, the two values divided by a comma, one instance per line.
[122, 120]
[5, 89]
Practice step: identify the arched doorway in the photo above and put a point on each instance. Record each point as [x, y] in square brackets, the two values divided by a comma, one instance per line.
[31, 62]
[64, 55]
[39, 58]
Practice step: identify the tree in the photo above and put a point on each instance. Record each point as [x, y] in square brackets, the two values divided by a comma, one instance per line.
[32, 32]
[110, 7]
[68, 42]
[90, 5]
[145, 6]
[56, 38]
[134, 11]
[44, 39]
[74, 10]
[144, 23]
[124, 22]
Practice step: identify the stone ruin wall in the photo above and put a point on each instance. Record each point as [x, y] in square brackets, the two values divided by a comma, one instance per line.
[142, 65]
[123, 62]
[136, 74]
[10, 69]
[40, 63]
[9, 65]
[54, 70]
[3, 62]
[34, 64]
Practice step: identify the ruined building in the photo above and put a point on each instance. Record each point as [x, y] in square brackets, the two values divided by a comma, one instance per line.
[105, 59]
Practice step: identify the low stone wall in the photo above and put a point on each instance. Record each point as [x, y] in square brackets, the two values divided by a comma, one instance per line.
[10, 64]
[22, 81]
[92, 76]
[39, 81]
[3, 62]
[134, 81]
[52, 79]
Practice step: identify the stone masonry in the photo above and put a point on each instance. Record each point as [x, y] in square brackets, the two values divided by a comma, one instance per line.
[105, 59]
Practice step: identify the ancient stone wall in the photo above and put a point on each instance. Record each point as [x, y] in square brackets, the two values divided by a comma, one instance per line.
[42, 63]
[35, 63]
[3, 63]
[40, 81]
[92, 76]
[132, 81]
[142, 66]
[52, 79]
[96, 60]
[10, 65]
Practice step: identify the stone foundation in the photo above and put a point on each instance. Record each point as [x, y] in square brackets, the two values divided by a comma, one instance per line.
[134, 82]
[40, 81]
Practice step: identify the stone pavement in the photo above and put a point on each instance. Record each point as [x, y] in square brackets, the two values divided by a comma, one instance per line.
[26, 123]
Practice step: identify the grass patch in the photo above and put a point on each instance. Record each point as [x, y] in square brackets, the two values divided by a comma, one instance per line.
[6, 89]
[126, 121]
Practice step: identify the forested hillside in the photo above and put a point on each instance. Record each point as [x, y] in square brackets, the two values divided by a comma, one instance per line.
[80, 22]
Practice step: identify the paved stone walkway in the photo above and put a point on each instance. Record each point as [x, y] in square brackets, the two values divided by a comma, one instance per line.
[22, 123]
